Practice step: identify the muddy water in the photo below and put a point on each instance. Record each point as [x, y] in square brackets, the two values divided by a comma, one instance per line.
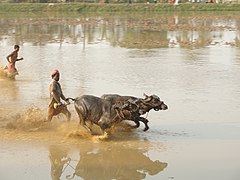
[192, 62]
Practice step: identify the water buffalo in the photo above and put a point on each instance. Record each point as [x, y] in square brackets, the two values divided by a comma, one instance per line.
[101, 112]
[128, 108]
[142, 106]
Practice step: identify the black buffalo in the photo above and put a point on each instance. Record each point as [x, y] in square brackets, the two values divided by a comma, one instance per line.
[99, 111]
[135, 106]
[112, 108]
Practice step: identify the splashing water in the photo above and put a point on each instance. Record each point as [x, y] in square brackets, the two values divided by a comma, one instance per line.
[30, 120]
[1, 71]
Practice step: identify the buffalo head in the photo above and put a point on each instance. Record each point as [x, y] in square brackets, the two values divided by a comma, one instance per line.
[153, 102]
[105, 121]
[133, 106]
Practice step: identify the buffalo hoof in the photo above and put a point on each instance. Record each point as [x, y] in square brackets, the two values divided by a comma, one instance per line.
[135, 127]
[105, 126]
[146, 128]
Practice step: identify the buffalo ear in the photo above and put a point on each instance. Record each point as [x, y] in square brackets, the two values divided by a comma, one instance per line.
[146, 96]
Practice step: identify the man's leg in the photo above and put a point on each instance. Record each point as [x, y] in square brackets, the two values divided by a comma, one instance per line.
[50, 114]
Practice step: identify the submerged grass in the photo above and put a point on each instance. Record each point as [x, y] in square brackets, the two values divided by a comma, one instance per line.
[100, 7]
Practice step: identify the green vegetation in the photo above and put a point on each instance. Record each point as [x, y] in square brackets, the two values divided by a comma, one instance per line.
[103, 7]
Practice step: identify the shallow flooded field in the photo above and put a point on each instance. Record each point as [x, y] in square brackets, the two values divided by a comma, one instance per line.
[191, 61]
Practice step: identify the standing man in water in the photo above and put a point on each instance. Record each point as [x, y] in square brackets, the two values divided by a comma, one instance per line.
[12, 59]
[55, 105]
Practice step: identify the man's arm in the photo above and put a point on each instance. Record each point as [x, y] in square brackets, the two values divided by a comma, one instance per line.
[64, 98]
[8, 57]
[54, 93]
[20, 59]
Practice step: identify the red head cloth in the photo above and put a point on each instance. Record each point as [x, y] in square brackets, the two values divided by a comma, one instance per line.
[54, 72]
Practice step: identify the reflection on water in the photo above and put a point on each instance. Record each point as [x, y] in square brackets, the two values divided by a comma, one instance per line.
[58, 157]
[142, 31]
[101, 161]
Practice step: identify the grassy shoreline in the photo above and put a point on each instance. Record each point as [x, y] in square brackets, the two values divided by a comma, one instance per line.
[94, 7]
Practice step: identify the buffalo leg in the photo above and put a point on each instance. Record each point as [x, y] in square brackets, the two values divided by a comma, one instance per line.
[51, 113]
[83, 123]
[137, 123]
[145, 121]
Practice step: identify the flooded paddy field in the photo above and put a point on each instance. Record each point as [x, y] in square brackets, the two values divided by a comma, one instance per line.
[191, 61]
